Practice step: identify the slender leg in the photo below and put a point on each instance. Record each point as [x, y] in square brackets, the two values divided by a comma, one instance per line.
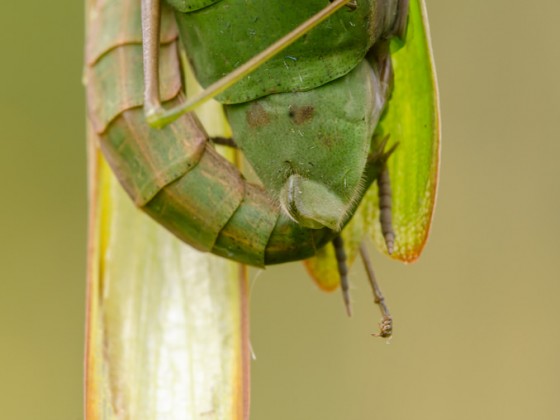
[340, 254]
[151, 16]
[352, 5]
[224, 141]
[386, 324]
[385, 208]
[375, 160]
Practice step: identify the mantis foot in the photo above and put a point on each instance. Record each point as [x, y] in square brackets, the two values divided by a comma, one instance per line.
[386, 324]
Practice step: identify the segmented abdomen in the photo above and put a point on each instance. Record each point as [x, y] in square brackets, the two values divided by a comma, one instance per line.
[174, 174]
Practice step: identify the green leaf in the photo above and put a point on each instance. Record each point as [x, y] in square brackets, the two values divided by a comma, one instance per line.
[167, 334]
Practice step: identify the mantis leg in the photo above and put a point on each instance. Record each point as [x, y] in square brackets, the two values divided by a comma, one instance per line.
[385, 208]
[340, 254]
[375, 161]
[224, 141]
[351, 4]
[386, 324]
[151, 19]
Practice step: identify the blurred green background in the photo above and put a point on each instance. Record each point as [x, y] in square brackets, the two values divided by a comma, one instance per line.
[476, 319]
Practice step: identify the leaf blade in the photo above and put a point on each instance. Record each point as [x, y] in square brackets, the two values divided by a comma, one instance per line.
[166, 323]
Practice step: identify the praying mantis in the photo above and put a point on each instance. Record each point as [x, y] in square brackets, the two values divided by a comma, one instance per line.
[318, 112]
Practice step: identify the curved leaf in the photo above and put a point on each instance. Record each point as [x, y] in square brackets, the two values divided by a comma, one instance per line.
[166, 324]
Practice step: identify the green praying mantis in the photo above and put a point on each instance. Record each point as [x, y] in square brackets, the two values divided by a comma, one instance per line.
[317, 111]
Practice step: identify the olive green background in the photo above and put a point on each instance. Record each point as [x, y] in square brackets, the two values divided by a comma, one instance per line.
[477, 332]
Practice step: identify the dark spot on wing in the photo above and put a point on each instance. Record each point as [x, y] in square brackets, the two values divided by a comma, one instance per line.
[257, 116]
[301, 114]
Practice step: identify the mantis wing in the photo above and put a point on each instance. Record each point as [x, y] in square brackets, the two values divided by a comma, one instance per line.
[412, 120]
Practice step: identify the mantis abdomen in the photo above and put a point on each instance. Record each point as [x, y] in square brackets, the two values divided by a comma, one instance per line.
[174, 173]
